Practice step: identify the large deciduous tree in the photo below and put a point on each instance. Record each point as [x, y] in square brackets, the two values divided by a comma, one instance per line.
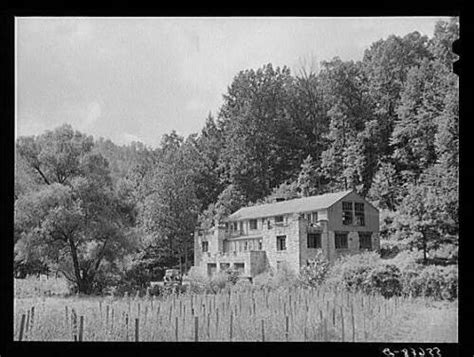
[74, 222]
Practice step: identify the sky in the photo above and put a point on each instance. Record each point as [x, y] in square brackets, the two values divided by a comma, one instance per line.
[135, 79]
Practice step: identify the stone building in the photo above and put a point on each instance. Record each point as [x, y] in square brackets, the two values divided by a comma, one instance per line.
[288, 232]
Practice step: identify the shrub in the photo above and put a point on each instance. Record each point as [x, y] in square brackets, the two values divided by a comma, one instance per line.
[218, 282]
[198, 280]
[351, 271]
[388, 248]
[384, 279]
[242, 285]
[406, 259]
[233, 275]
[431, 281]
[284, 277]
[449, 288]
[316, 271]
[264, 279]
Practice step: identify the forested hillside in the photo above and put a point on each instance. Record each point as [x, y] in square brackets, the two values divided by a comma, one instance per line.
[386, 126]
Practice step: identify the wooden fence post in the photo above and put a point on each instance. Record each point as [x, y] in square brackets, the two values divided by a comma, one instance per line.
[22, 327]
[74, 324]
[196, 328]
[342, 324]
[230, 328]
[321, 327]
[81, 327]
[287, 326]
[126, 325]
[353, 323]
[27, 322]
[208, 325]
[263, 331]
[32, 316]
[136, 329]
[176, 329]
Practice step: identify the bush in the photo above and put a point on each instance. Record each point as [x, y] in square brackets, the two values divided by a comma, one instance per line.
[264, 279]
[384, 279]
[406, 259]
[315, 272]
[218, 282]
[431, 281]
[388, 248]
[233, 275]
[284, 277]
[449, 288]
[242, 285]
[351, 271]
[198, 281]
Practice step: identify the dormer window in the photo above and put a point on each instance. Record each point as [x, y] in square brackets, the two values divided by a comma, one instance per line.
[312, 217]
[346, 213]
[359, 213]
[253, 224]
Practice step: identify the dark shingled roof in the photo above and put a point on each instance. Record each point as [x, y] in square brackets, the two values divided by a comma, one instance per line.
[296, 205]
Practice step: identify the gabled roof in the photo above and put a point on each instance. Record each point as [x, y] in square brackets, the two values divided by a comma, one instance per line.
[296, 205]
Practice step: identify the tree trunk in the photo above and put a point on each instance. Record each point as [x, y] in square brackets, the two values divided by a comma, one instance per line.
[185, 257]
[425, 257]
[77, 271]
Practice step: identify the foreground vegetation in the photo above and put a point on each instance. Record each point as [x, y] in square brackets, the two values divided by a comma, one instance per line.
[242, 313]
[360, 298]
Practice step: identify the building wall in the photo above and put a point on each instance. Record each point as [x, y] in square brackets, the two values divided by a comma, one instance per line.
[290, 228]
[255, 262]
[310, 253]
[371, 225]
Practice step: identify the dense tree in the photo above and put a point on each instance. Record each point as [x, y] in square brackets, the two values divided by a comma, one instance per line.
[74, 222]
[170, 210]
[258, 151]
[422, 101]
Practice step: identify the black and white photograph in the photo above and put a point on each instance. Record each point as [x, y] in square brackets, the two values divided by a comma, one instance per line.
[236, 179]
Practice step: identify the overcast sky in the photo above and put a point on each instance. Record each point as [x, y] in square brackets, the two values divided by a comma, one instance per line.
[135, 79]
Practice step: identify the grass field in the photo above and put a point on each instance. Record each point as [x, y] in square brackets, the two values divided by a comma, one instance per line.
[297, 314]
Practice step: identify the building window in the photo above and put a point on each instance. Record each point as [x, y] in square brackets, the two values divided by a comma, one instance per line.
[269, 225]
[365, 240]
[341, 240]
[359, 214]
[259, 244]
[241, 227]
[281, 242]
[211, 269]
[246, 245]
[279, 219]
[240, 267]
[346, 213]
[314, 240]
[224, 266]
[205, 246]
[253, 224]
[312, 217]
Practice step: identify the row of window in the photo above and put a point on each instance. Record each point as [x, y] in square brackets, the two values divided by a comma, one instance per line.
[313, 241]
[340, 240]
[353, 216]
[253, 223]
